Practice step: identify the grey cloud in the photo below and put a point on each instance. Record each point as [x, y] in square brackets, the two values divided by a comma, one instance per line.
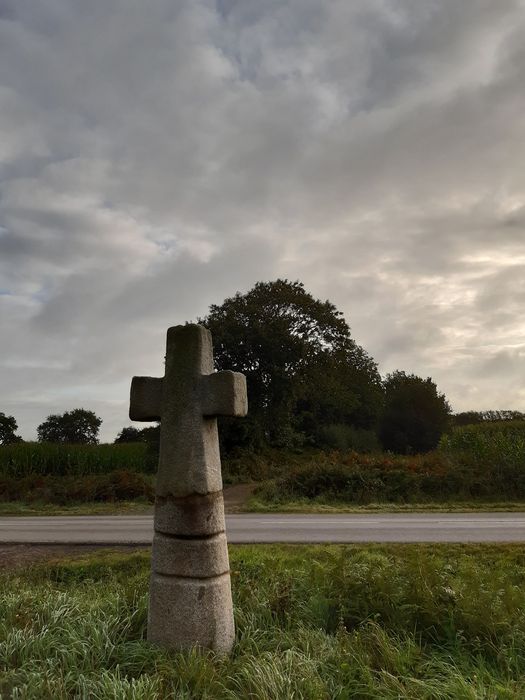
[154, 160]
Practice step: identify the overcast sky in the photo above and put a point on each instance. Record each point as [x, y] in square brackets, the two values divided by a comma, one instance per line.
[157, 157]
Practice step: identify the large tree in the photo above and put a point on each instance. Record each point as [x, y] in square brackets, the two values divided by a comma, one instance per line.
[341, 387]
[415, 414]
[301, 364]
[76, 426]
[8, 428]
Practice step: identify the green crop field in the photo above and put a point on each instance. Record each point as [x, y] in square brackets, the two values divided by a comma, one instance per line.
[316, 622]
[53, 459]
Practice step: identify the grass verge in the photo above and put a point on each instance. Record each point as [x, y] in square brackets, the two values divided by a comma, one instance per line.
[313, 622]
[258, 505]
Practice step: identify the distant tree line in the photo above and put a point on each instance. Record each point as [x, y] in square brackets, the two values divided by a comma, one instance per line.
[8, 428]
[474, 417]
[309, 384]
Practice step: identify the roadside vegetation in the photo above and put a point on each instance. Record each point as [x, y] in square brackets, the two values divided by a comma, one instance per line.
[475, 466]
[324, 429]
[313, 622]
[53, 478]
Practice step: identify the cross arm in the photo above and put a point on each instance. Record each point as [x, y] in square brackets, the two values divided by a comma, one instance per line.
[224, 394]
[145, 403]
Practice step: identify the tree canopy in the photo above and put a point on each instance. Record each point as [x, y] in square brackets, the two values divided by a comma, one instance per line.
[150, 434]
[8, 428]
[76, 426]
[129, 434]
[415, 414]
[301, 364]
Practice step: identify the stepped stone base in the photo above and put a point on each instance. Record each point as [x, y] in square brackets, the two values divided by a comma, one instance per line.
[203, 558]
[186, 612]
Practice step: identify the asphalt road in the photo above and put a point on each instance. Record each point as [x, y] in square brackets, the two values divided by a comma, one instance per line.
[258, 528]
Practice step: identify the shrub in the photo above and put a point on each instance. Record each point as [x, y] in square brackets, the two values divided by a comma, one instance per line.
[121, 485]
[243, 465]
[360, 478]
[414, 416]
[347, 437]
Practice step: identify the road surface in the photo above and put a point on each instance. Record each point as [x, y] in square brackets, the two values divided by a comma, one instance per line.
[259, 528]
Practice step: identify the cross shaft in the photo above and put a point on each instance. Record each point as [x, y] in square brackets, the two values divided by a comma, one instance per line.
[190, 596]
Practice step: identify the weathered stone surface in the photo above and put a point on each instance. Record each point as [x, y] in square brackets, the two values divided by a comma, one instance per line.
[190, 594]
[146, 398]
[187, 401]
[196, 515]
[189, 459]
[199, 558]
[185, 612]
[224, 394]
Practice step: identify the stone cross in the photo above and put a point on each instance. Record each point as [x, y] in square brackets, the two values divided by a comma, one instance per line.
[190, 599]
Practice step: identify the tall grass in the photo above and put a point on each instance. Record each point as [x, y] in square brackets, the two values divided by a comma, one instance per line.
[491, 455]
[319, 623]
[501, 442]
[30, 458]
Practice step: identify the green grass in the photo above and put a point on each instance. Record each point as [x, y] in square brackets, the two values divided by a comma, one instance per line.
[316, 622]
[256, 505]
[259, 505]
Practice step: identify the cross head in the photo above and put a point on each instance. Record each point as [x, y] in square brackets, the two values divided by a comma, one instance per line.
[187, 401]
